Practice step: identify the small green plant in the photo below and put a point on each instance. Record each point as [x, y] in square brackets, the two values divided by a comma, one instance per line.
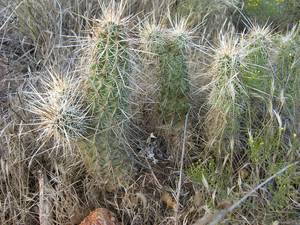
[216, 180]
[283, 189]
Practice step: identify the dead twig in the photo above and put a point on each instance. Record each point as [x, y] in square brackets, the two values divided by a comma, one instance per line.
[181, 168]
[44, 208]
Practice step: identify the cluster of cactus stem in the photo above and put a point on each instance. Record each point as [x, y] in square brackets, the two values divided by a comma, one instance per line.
[254, 106]
[108, 83]
[253, 102]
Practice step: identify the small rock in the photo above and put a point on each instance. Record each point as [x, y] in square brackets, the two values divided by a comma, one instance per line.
[100, 216]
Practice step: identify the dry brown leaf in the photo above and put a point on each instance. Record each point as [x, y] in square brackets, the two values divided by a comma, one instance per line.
[224, 204]
[198, 199]
[244, 174]
[100, 216]
[141, 198]
[206, 219]
[168, 200]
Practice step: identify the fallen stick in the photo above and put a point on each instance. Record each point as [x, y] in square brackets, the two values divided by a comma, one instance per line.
[44, 208]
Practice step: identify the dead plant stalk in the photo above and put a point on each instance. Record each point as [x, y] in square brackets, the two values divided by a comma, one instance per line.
[181, 168]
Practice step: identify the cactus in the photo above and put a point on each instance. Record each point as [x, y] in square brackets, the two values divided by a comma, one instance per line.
[109, 73]
[169, 47]
[227, 95]
[287, 53]
[271, 82]
[258, 81]
[257, 75]
[59, 109]
[108, 91]
[223, 123]
[165, 55]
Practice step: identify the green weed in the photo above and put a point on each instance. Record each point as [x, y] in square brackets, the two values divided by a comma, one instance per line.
[277, 12]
